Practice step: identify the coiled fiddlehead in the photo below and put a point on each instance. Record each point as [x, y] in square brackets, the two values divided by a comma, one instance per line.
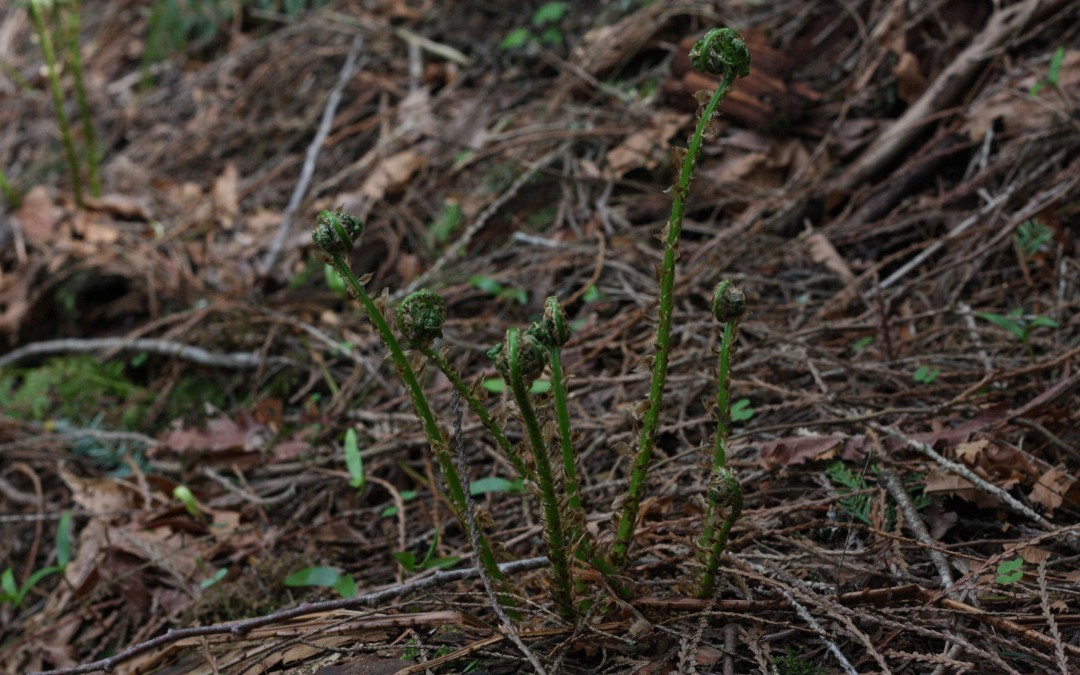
[420, 317]
[720, 52]
[336, 232]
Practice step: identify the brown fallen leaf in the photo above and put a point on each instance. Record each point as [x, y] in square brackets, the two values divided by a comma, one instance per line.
[1051, 489]
[226, 197]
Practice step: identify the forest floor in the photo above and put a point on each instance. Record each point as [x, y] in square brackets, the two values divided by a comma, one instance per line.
[897, 193]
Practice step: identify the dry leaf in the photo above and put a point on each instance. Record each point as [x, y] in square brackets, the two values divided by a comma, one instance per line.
[226, 199]
[910, 82]
[391, 175]
[1051, 489]
[824, 253]
[645, 148]
[969, 453]
[799, 450]
[939, 481]
[38, 215]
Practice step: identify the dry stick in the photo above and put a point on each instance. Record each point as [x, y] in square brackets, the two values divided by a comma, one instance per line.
[474, 538]
[792, 587]
[235, 360]
[947, 89]
[895, 486]
[347, 71]
[240, 628]
[963, 471]
[456, 251]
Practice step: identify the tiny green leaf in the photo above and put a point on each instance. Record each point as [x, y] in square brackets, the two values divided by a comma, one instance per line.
[184, 495]
[346, 586]
[1005, 323]
[741, 410]
[495, 484]
[326, 577]
[440, 563]
[407, 559]
[7, 582]
[353, 461]
[63, 540]
[549, 13]
[1009, 572]
[925, 374]
[515, 39]
[862, 343]
[212, 581]
[592, 294]
[486, 284]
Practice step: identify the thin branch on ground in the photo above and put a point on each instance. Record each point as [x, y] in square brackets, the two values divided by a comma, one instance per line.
[234, 361]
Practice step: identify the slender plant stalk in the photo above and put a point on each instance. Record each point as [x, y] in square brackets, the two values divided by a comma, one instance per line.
[335, 234]
[724, 494]
[560, 564]
[47, 50]
[571, 485]
[71, 38]
[478, 407]
[646, 443]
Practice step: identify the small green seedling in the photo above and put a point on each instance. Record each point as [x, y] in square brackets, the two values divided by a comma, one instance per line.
[449, 220]
[492, 287]
[1019, 325]
[926, 374]
[543, 20]
[854, 502]
[862, 343]
[430, 561]
[1032, 236]
[324, 577]
[406, 496]
[1053, 73]
[215, 579]
[12, 593]
[184, 495]
[741, 410]
[354, 462]
[1009, 572]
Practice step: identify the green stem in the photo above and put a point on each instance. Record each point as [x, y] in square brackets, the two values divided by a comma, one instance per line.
[723, 396]
[423, 410]
[725, 493]
[639, 470]
[571, 485]
[477, 407]
[71, 37]
[560, 565]
[725, 506]
[58, 99]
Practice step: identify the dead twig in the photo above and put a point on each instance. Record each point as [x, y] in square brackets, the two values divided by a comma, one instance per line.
[234, 361]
